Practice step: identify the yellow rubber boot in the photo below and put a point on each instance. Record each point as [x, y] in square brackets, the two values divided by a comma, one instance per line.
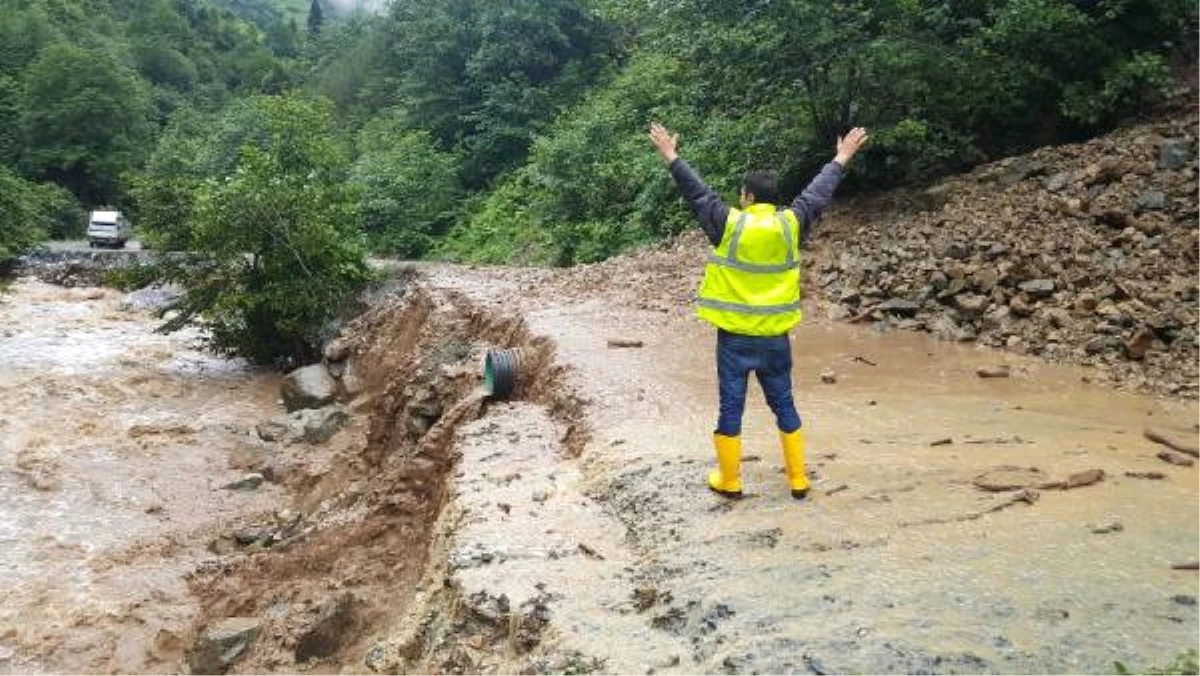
[727, 478]
[793, 461]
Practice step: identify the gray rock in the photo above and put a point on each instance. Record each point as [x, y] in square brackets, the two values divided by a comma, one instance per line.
[352, 382]
[1038, 288]
[337, 350]
[1151, 200]
[151, 298]
[1102, 344]
[1058, 317]
[246, 483]
[220, 645]
[272, 430]
[972, 304]
[334, 622]
[1058, 181]
[1174, 153]
[308, 387]
[899, 306]
[321, 424]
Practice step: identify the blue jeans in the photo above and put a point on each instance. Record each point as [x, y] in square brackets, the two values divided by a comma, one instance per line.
[770, 357]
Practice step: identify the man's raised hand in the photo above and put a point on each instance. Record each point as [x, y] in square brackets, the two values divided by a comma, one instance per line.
[664, 142]
[849, 144]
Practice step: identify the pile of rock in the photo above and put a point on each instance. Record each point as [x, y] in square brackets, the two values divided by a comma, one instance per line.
[1084, 253]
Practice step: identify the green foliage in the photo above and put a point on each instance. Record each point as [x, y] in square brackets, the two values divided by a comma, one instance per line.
[61, 215]
[275, 251]
[409, 188]
[502, 230]
[86, 120]
[20, 228]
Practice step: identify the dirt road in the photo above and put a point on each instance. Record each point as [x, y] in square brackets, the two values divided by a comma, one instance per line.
[898, 562]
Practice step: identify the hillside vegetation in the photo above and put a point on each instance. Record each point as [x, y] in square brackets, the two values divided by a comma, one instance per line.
[489, 131]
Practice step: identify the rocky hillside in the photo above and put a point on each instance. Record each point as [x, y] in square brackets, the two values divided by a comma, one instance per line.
[1084, 253]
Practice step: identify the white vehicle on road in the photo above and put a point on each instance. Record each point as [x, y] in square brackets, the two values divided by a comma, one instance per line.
[108, 228]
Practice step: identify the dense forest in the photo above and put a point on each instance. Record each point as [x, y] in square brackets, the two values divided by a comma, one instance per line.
[514, 130]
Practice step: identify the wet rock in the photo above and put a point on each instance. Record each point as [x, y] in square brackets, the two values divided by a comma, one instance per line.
[246, 483]
[220, 645]
[1001, 371]
[321, 424]
[273, 430]
[828, 377]
[1175, 458]
[1174, 153]
[1153, 476]
[1107, 527]
[899, 306]
[308, 387]
[150, 298]
[333, 623]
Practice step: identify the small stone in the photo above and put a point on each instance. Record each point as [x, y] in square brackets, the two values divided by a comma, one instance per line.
[1109, 527]
[540, 496]
[246, 483]
[1151, 200]
[945, 441]
[272, 430]
[1184, 599]
[1037, 288]
[828, 377]
[1175, 458]
[899, 306]
[972, 304]
[1001, 371]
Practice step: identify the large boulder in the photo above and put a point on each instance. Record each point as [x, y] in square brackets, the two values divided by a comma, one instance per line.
[308, 387]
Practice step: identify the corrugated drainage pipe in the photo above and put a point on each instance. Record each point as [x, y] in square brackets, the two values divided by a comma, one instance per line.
[500, 372]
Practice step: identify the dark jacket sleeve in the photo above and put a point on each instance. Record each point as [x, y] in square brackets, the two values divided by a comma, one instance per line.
[811, 203]
[707, 206]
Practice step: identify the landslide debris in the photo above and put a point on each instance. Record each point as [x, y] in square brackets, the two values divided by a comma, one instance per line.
[1083, 253]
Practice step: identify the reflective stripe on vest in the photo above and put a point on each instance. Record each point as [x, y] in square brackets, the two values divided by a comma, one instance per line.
[748, 297]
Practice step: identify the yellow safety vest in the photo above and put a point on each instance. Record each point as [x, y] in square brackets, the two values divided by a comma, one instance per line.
[752, 281]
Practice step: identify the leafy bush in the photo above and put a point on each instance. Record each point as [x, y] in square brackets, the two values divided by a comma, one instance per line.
[274, 248]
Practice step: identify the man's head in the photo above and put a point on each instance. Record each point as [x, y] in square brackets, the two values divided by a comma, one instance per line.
[760, 187]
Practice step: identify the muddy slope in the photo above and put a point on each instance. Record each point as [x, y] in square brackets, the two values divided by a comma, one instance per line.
[358, 538]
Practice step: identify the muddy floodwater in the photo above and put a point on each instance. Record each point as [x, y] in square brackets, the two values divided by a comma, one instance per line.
[114, 442]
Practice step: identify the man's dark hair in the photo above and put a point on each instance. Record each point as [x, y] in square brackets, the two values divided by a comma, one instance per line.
[764, 185]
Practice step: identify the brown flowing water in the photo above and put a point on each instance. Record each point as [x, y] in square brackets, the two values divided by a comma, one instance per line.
[114, 442]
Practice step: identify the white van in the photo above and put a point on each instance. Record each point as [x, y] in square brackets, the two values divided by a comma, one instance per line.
[108, 228]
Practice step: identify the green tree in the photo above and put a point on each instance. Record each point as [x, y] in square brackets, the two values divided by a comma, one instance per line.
[315, 17]
[276, 248]
[86, 120]
[409, 188]
[21, 227]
